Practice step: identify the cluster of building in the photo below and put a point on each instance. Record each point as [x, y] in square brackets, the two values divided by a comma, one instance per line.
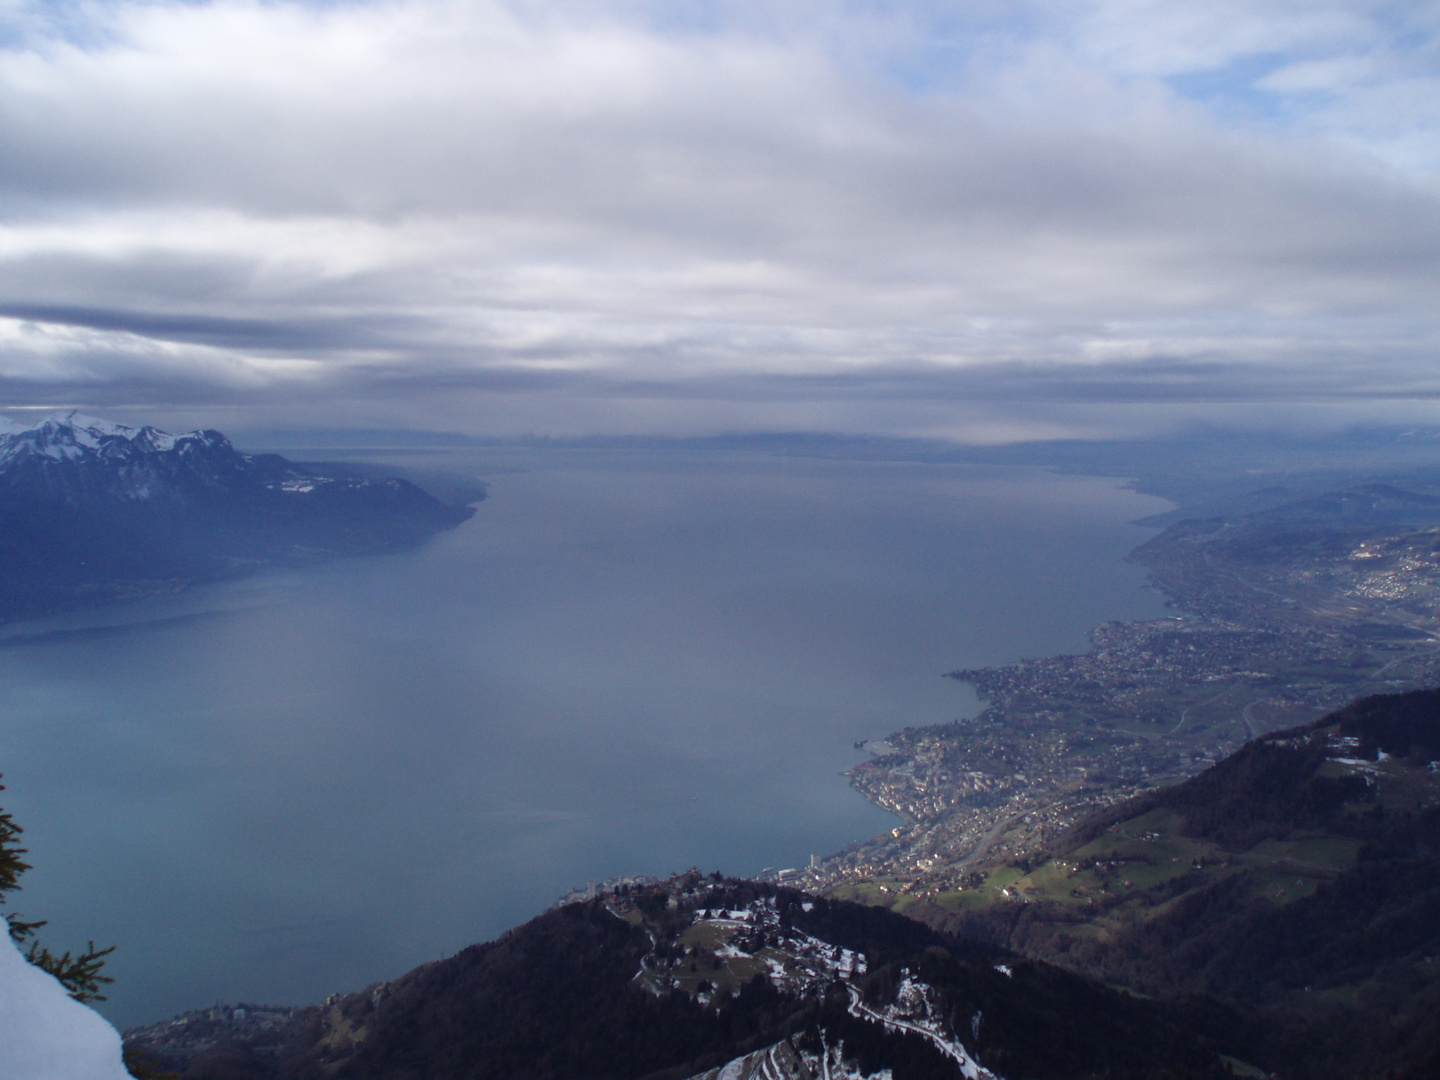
[1275, 635]
[199, 1030]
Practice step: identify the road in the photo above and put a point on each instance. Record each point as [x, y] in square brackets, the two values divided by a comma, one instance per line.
[1250, 730]
[990, 838]
[969, 1067]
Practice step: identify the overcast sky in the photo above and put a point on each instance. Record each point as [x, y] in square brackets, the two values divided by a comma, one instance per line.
[986, 220]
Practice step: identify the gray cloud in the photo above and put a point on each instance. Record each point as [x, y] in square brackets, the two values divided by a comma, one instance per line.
[580, 207]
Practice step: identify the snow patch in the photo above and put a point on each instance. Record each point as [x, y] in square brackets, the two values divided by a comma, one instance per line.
[798, 963]
[778, 1062]
[915, 1012]
[69, 436]
[47, 1035]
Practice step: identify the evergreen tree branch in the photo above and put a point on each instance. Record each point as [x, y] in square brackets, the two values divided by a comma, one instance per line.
[80, 975]
[11, 865]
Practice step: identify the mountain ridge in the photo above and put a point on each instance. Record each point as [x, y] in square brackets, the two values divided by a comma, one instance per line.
[1282, 908]
[1297, 881]
[92, 511]
[672, 980]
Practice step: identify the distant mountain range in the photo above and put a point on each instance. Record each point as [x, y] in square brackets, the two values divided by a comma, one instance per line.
[92, 511]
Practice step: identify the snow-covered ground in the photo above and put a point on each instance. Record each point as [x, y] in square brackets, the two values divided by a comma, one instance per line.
[834, 1065]
[798, 963]
[778, 1062]
[914, 1011]
[44, 1033]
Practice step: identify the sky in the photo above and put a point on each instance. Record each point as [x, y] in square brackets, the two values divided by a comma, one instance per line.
[976, 220]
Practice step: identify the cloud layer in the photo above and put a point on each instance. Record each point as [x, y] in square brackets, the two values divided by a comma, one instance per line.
[575, 217]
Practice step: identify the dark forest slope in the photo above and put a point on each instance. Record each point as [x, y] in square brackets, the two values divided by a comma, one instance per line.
[671, 979]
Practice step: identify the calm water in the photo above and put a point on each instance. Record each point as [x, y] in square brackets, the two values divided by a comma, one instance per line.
[277, 788]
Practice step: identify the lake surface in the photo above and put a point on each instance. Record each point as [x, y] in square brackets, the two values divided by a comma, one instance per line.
[273, 789]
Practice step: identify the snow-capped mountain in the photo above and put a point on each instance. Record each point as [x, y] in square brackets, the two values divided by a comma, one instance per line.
[92, 510]
[70, 457]
[69, 435]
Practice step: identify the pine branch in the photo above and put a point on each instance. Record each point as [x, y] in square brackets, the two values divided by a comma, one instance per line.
[79, 975]
[11, 865]
[20, 929]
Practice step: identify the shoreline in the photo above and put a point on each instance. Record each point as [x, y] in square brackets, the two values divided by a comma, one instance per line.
[1256, 647]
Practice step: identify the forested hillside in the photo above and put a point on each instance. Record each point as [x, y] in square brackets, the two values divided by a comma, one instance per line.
[1297, 880]
[672, 979]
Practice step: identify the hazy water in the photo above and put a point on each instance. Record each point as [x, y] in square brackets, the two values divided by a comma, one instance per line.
[277, 788]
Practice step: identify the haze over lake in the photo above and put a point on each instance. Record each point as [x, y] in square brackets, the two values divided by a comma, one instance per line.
[276, 788]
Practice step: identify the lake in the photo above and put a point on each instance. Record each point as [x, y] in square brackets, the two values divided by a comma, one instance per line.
[275, 788]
